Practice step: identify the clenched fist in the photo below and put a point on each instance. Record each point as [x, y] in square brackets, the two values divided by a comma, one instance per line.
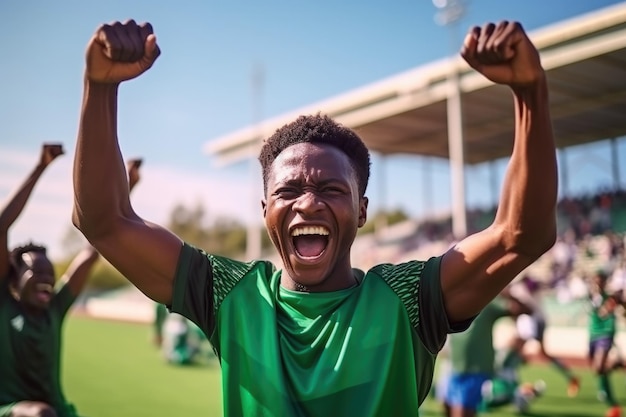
[120, 51]
[49, 151]
[503, 53]
[132, 166]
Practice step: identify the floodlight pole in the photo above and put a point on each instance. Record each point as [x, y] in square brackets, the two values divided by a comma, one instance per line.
[253, 232]
[450, 12]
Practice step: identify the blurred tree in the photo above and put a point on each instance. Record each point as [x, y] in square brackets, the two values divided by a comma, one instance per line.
[224, 236]
[73, 241]
[393, 217]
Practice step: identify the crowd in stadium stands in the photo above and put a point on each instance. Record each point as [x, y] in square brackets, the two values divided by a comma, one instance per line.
[591, 231]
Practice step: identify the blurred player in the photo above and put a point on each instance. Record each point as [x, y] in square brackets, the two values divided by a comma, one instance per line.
[180, 340]
[505, 387]
[602, 327]
[32, 309]
[532, 326]
[472, 355]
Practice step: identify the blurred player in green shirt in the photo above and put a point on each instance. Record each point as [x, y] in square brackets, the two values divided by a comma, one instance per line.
[505, 387]
[601, 328]
[472, 356]
[32, 309]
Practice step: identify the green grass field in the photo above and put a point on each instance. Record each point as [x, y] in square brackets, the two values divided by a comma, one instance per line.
[111, 369]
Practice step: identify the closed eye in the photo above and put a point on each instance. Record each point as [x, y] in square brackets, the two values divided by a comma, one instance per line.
[333, 190]
[287, 193]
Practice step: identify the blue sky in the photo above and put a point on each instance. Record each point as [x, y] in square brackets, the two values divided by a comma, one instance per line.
[200, 88]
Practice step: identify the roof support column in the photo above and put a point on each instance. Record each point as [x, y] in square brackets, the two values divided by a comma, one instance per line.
[494, 182]
[456, 154]
[617, 181]
[427, 177]
[380, 221]
[563, 173]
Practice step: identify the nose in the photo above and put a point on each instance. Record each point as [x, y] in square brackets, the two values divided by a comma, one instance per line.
[308, 202]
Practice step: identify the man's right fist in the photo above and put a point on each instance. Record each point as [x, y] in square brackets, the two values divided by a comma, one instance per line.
[120, 51]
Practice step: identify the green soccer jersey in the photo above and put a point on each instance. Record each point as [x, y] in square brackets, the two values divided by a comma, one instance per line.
[362, 351]
[601, 324]
[472, 351]
[30, 351]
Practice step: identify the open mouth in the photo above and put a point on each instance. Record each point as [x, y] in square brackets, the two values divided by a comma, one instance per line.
[310, 241]
[43, 291]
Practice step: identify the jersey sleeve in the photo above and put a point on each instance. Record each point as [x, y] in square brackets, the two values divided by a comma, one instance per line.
[417, 284]
[193, 288]
[202, 282]
[434, 327]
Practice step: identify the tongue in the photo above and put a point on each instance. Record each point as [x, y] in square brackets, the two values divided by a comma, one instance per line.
[310, 245]
[43, 296]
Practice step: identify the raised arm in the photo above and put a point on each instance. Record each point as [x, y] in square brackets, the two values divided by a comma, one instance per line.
[146, 254]
[481, 265]
[79, 269]
[17, 201]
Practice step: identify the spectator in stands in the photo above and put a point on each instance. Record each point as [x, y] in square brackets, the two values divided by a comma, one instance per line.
[313, 338]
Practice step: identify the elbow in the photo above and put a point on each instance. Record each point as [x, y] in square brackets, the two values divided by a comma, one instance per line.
[546, 240]
[536, 243]
[92, 229]
[78, 221]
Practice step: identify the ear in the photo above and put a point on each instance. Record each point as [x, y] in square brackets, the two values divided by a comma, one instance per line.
[363, 201]
[13, 287]
[264, 207]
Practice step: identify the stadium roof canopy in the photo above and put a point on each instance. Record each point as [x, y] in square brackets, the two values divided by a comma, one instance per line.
[585, 60]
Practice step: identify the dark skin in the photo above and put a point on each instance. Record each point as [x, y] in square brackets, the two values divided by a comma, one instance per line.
[314, 186]
[473, 272]
[33, 285]
[17, 201]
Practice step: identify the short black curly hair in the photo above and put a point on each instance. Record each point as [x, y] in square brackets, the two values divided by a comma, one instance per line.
[318, 129]
[16, 262]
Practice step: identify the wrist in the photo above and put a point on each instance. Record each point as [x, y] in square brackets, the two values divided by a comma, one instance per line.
[98, 88]
[537, 89]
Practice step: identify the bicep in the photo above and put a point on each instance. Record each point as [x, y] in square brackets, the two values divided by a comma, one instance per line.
[475, 270]
[145, 253]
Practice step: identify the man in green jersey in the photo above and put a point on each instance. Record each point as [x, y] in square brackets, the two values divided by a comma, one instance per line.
[32, 310]
[505, 387]
[180, 340]
[472, 355]
[602, 327]
[318, 337]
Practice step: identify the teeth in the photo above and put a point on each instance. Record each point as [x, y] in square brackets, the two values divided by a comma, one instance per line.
[44, 287]
[310, 230]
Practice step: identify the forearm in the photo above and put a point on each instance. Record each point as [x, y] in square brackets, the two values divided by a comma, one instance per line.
[17, 201]
[100, 183]
[527, 206]
[79, 269]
